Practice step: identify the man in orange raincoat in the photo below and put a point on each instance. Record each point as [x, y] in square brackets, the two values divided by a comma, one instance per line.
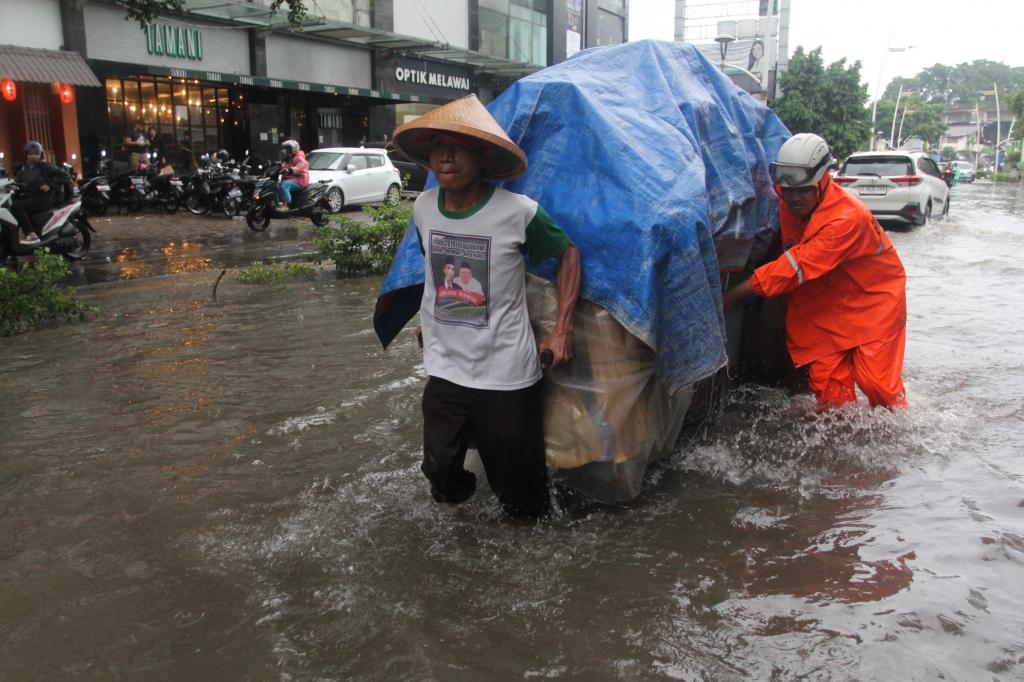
[847, 313]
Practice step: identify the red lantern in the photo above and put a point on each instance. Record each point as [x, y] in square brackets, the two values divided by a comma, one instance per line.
[10, 89]
[67, 93]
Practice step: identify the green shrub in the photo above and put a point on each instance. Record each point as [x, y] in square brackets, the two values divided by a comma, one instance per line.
[364, 248]
[1005, 177]
[33, 294]
[258, 272]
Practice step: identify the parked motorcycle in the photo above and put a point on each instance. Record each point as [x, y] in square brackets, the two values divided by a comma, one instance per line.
[64, 230]
[310, 202]
[128, 190]
[211, 190]
[165, 192]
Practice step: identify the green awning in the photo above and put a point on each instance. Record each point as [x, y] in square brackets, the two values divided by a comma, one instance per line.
[123, 70]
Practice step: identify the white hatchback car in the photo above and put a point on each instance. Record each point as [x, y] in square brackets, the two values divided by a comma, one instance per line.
[900, 186]
[356, 176]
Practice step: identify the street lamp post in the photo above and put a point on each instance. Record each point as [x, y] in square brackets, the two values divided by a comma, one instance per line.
[895, 111]
[900, 136]
[723, 46]
[878, 83]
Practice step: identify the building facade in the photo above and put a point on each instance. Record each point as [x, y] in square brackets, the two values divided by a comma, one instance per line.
[754, 35]
[236, 76]
[41, 84]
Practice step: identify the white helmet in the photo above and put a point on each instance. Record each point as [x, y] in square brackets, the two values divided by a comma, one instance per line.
[289, 148]
[802, 161]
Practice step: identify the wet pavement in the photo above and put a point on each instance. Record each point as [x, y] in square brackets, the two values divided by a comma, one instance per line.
[230, 489]
[129, 246]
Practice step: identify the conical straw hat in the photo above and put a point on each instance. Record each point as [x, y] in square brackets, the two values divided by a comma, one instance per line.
[466, 116]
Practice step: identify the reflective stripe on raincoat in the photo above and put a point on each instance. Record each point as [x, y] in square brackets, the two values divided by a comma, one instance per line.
[846, 285]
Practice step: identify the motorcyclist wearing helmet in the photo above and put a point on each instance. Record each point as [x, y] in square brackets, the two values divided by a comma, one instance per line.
[223, 157]
[295, 168]
[847, 307]
[40, 182]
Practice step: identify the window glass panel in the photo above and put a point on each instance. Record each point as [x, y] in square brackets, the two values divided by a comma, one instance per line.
[131, 92]
[540, 46]
[113, 89]
[148, 89]
[881, 166]
[222, 98]
[496, 5]
[610, 28]
[358, 160]
[375, 161]
[520, 39]
[324, 160]
[493, 33]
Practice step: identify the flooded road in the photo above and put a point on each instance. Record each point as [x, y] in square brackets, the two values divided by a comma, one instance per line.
[198, 489]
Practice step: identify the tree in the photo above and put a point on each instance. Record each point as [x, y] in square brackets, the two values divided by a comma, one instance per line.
[960, 84]
[948, 154]
[828, 101]
[1015, 102]
[145, 11]
[922, 119]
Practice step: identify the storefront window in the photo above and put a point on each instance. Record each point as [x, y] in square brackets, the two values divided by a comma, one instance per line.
[174, 108]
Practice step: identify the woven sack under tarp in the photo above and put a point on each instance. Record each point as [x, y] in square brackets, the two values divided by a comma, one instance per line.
[607, 417]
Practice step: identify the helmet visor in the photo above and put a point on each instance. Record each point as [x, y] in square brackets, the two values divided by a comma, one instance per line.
[796, 176]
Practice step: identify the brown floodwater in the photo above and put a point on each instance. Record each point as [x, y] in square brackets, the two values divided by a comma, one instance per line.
[230, 489]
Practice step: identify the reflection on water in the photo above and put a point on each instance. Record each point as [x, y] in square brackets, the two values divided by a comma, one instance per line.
[231, 490]
[185, 257]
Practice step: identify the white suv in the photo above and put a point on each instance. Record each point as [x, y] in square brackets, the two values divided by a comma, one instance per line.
[356, 176]
[900, 186]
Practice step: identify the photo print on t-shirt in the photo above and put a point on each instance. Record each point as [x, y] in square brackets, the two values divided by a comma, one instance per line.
[460, 267]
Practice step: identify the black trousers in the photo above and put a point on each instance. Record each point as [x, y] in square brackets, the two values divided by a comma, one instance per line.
[508, 431]
[23, 209]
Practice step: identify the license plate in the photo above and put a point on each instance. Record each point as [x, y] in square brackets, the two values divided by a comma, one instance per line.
[176, 183]
[872, 189]
[103, 188]
[235, 193]
[138, 181]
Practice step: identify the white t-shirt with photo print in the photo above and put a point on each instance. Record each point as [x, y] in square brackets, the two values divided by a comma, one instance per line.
[480, 337]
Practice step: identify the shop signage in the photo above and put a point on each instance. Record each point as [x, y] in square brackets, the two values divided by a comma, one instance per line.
[425, 78]
[167, 40]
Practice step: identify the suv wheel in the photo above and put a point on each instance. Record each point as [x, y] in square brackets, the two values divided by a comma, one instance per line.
[926, 216]
[393, 196]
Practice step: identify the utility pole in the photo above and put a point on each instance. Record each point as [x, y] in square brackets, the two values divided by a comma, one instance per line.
[892, 134]
[878, 84]
[977, 143]
[999, 129]
[900, 136]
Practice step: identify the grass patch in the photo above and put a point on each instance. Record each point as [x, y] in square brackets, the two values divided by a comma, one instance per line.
[258, 272]
[33, 295]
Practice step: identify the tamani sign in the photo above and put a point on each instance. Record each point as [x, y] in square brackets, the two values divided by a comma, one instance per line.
[167, 40]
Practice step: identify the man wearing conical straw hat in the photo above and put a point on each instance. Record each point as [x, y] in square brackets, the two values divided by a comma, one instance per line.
[478, 348]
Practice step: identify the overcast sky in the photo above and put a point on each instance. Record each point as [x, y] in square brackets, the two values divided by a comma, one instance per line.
[942, 31]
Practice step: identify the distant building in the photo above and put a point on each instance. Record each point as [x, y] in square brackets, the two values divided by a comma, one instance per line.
[755, 34]
[232, 74]
[973, 126]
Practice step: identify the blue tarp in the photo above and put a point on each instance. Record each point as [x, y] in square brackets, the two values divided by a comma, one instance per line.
[650, 158]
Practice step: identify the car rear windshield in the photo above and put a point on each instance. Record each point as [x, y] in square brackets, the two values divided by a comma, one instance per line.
[882, 166]
[324, 160]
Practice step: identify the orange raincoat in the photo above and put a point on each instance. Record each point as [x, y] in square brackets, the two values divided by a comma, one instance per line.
[847, 309]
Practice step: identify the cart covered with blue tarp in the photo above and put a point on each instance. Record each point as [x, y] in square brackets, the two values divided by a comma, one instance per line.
[656, 165]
